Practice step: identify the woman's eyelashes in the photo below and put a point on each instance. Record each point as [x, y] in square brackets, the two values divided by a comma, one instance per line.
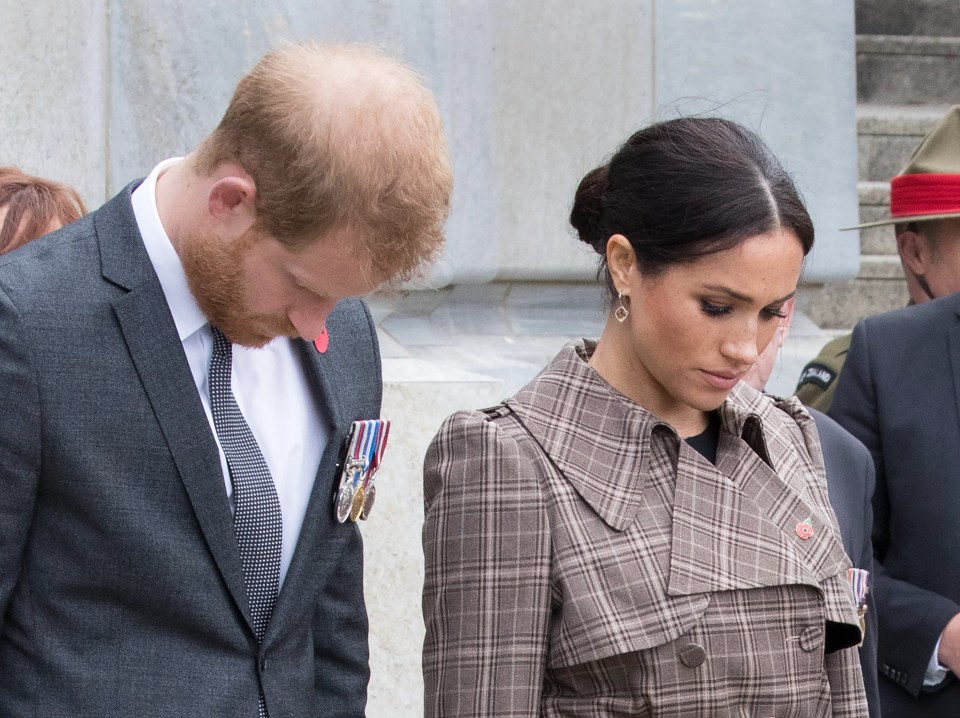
[719, 310]
[714, 310]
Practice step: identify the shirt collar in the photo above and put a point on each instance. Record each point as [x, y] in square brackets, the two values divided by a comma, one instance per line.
[187, 315]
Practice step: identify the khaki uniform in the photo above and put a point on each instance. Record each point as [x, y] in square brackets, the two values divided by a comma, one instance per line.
[818, 380]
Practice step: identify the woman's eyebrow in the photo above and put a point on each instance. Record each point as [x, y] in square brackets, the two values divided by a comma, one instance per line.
[741, 297]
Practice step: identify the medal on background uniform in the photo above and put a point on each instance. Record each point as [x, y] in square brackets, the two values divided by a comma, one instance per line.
[362, 455]
[860, 585]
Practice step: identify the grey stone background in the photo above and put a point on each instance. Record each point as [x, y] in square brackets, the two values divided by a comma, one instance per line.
[533, 95]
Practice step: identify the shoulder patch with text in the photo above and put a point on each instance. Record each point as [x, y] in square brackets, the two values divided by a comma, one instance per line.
[818, 374]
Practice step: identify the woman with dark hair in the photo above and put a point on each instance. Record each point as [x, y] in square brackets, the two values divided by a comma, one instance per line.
[636, 532]
[33, 206]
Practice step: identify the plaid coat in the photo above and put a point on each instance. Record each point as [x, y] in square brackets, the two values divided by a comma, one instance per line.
[582, 560]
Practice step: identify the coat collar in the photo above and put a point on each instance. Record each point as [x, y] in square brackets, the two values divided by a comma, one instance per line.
[593, 432]
[607, 447]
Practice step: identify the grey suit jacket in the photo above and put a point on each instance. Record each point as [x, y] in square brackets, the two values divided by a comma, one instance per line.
[121, 590]
[850, 482]
[899, 393]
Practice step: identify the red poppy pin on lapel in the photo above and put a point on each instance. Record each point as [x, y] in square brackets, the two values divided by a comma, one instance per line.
[805, 529]
[322, 342]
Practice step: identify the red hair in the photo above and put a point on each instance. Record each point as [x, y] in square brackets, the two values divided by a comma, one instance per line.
[340, 137]
[34, 206]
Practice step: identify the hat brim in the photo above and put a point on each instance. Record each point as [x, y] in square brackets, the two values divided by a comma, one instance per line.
[904, 220]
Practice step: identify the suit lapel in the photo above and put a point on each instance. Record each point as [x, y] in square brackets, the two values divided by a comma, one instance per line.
[157, 354]
[953, 339]
[322, 374]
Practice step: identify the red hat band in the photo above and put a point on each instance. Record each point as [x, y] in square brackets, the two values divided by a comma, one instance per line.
[924, 194]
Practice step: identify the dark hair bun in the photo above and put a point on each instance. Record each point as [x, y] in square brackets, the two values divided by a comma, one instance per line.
[685, 188]
[587, 209]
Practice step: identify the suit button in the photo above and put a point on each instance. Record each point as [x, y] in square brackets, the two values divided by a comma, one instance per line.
[263, 663]
[811, 638]
[692, 655]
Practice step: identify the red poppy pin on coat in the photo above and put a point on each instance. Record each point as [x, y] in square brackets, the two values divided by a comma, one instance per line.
[322, 342]
[804, 529]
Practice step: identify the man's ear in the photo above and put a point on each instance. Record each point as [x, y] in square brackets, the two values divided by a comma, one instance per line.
[621, 262]
[914, 251]
[231, 203]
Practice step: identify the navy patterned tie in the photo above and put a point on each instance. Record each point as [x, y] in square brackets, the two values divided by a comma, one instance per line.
[257, 519]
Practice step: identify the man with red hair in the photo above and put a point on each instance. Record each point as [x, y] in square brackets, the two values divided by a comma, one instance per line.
[179, 371]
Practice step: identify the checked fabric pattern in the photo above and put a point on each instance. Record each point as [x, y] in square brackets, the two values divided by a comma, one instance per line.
[580, 559]
[257, 518]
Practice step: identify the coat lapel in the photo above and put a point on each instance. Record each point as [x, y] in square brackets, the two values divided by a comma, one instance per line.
[157, 353]
[734, 526]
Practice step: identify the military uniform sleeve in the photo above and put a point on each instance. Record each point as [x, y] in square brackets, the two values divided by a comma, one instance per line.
[818, 380]
[487, 597]
[19, 447]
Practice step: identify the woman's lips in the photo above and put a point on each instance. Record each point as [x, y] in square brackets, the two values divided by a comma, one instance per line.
[722, 380]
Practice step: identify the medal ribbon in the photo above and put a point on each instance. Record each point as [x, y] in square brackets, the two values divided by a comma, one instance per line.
[860, 583]
[379, 443]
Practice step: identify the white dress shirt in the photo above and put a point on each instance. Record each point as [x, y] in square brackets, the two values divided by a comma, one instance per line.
[269, 384]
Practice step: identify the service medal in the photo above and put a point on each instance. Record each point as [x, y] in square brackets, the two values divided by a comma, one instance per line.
[356, 508]
[376, 456]
[368, 500]
[344, 502]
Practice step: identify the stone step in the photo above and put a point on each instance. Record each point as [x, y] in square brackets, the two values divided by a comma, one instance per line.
[840, 305]
[880, 266]
[879, 286]
[875, 206]
[908, 70]
[908, 17]
[888, 134]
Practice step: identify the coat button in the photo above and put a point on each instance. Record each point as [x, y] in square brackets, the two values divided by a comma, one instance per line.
[811, 638]
[263, 663]
[692, 655]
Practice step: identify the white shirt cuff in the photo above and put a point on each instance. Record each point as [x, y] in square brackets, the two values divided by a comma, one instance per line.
[935, 672]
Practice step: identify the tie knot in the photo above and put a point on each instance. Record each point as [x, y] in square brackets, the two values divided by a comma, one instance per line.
[221, 344]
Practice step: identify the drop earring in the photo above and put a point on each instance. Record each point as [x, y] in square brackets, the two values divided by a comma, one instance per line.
[622, 312]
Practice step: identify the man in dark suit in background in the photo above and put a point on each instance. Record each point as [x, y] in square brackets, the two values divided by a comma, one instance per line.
[928, 275]
[168, 545]
[850, 486]
[899, 393]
